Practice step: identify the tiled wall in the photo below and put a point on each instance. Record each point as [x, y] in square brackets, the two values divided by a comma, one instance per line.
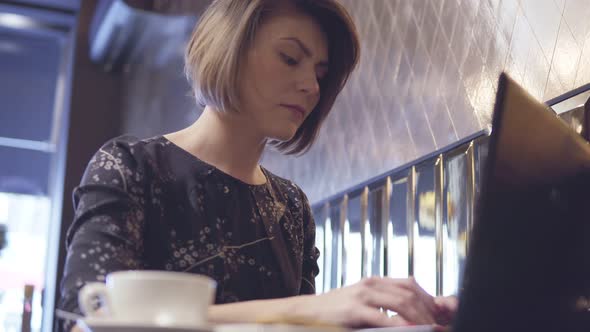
[427, 77]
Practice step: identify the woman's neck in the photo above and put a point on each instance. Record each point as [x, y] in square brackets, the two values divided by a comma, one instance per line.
[226, 141]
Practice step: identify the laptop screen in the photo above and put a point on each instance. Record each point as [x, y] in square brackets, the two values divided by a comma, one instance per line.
[528, 266]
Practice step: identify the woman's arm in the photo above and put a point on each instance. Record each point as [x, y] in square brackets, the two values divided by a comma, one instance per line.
[358, 305]
[107, 232]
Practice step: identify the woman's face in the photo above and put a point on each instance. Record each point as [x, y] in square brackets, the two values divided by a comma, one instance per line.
[279, 78]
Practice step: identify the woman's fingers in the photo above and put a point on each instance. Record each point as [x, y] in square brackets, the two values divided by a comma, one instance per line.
[403, 302]
[411, 284]
[406, 301]
[361, 305]
[447, 303]
[398, 320]
[76, 328]
[366, 303]
[369, 316]
[447, 307]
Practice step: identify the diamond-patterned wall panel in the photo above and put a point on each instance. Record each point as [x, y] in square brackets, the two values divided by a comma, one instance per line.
[427, 77]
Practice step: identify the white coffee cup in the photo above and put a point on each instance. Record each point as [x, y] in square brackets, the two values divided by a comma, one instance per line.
[154, 298]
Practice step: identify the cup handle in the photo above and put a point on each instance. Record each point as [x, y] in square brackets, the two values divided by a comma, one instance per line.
[88, 295]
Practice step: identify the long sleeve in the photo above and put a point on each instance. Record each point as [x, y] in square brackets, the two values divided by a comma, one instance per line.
[310, 253]
[107, 232]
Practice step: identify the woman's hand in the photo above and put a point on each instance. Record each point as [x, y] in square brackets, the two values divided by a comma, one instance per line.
[360, 305]
[447, 307]
[77, 328]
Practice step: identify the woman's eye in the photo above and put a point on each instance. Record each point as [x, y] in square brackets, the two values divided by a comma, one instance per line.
[289, 60]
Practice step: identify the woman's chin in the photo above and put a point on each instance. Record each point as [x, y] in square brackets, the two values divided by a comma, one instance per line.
[283, 137]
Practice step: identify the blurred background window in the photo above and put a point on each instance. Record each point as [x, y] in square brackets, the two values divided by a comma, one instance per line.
[35, 42]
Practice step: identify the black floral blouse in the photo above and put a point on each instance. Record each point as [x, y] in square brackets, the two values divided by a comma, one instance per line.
[148, 204]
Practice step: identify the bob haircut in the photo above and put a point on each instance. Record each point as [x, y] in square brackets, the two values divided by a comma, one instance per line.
[225, 33]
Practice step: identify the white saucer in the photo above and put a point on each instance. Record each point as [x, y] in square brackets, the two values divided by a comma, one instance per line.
[109, 325]
[303, 328]
[415, 328]
[274, 328]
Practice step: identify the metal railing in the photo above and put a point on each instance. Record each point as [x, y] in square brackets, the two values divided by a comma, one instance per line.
[414, 216]
[415, 220]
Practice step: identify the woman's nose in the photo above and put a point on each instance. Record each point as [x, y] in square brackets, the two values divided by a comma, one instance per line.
[309, 84]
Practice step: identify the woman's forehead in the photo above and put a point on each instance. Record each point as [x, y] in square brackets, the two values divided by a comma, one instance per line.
[297, 27]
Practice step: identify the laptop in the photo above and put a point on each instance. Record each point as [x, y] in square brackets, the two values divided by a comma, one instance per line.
[528, 266]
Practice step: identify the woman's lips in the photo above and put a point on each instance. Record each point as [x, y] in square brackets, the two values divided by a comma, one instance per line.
[298, 111]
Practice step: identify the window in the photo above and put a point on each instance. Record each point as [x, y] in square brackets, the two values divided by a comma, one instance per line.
[34, 61]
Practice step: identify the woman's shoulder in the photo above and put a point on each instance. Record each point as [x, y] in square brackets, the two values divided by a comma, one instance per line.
[287, 187]
[279, 181]
[130, 148]
[132, 144]
[124, 156]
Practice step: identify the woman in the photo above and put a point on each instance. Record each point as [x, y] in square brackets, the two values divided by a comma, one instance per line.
[197, 200]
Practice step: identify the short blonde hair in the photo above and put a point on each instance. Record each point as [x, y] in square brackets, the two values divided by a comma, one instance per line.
[226, 31]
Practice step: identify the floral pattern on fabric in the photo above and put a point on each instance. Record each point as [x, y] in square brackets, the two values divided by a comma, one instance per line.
[148, 204]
